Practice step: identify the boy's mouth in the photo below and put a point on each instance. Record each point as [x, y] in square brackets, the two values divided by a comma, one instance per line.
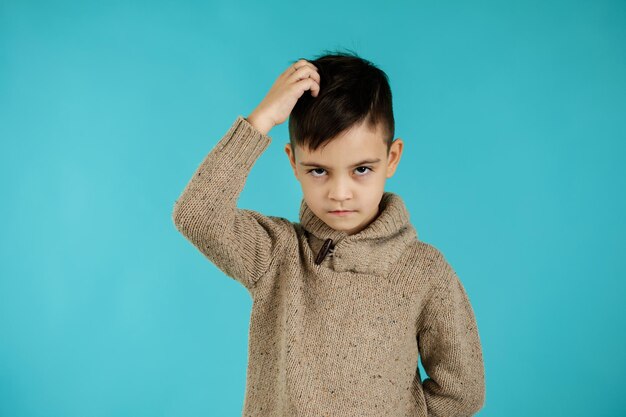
[341, 212]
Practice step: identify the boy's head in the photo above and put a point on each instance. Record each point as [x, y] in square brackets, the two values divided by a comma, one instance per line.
[341, 145]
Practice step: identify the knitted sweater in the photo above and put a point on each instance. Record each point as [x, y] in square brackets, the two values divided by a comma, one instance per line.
[337, 320]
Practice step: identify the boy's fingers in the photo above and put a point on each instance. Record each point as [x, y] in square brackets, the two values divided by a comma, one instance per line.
[305, 72]
[302, 75]
[301, 63]
[309, 84]
[305, 62]
[296, 66]
[301, 86]
[311, 73]
[316, 76]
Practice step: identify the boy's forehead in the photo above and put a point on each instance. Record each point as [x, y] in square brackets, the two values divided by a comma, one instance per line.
[357, 143]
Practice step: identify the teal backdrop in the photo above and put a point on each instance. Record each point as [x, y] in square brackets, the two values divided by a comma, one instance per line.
[513, 115]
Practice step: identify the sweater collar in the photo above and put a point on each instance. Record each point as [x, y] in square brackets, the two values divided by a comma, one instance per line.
[370, 251]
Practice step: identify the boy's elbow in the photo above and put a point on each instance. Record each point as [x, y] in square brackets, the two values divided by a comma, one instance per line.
[176, 214]
[476, 402]
[466, 398]
[469, 403]
[179, 217]
[474, 399]
[192, 222]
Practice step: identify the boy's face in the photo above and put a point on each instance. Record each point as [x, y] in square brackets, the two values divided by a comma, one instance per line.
[337, 178]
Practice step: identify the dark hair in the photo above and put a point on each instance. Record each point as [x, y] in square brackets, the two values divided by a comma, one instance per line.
[352, 90]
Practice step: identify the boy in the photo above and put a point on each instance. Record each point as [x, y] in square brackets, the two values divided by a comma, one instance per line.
[346, 299]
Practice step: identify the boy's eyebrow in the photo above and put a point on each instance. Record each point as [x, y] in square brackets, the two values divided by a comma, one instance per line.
[365, 161]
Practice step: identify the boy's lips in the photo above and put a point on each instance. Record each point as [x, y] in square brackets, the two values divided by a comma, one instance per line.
[340, 212]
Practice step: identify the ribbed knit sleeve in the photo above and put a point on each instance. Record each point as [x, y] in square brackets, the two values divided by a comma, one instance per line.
[240, 242]
[450, 347]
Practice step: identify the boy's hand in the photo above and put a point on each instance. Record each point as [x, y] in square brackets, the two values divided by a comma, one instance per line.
[284, 94]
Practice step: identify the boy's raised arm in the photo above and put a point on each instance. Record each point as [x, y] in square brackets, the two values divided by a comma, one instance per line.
[242, 243]
[449, 344]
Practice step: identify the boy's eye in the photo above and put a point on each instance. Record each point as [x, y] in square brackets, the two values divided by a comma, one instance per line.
[314, 170]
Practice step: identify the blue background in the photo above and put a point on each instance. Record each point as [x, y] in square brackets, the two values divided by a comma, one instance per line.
[513, 118]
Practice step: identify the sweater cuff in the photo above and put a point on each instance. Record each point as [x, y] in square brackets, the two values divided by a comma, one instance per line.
[243, 143]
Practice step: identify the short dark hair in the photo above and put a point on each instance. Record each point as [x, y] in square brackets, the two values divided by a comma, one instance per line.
[352, 91]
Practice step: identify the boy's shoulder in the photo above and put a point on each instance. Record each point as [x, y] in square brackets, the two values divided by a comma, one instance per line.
[427, 255]
[429, 262]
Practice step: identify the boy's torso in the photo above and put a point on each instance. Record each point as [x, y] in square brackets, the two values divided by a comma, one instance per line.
[326, 340]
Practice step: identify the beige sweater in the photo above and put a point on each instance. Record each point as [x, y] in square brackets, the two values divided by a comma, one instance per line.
[342, 337]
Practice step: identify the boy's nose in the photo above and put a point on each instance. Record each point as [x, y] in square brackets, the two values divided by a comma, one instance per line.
[340, 194]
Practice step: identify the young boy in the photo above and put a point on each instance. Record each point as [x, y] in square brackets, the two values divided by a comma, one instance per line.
[346, 299]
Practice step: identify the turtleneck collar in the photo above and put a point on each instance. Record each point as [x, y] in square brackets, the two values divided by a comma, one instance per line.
[370, 251]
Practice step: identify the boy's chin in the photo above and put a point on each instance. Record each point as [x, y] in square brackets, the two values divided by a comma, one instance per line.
[342, 224]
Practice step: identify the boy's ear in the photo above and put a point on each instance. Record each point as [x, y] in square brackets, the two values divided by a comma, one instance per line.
[395, 152]
[292, 158]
